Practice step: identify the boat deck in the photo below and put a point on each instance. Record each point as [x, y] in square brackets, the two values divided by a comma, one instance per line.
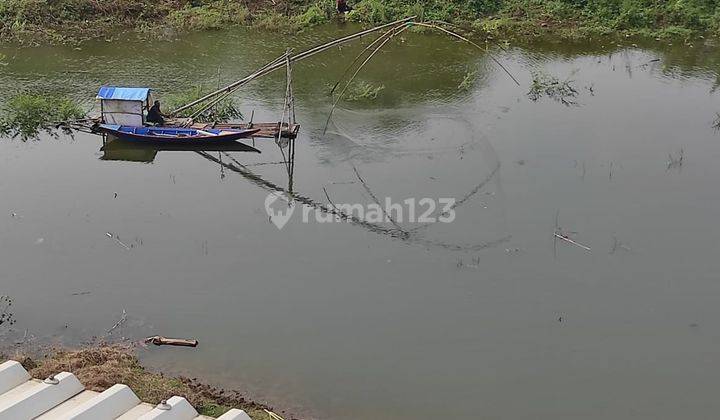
[267, 129]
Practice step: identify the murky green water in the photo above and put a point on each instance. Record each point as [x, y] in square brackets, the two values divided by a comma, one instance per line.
[484, 317]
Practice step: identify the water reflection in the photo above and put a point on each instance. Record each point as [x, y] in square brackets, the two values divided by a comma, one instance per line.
[117, 150]
[410, 236]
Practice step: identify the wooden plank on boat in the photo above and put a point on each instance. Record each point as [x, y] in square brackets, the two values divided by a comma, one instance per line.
[267, 129]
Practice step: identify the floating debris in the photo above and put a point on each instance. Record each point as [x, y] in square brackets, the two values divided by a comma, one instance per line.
[558, 90]
[118, 324]
[567, 239]
[475, 263]
[468, 81]
[676, 161]
[159, 340]
[618, 245]
[565, 236]
[117, 240]
[6, 317]
[363, 91]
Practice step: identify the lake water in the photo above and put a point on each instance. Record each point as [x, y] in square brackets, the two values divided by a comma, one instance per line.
[485, 317]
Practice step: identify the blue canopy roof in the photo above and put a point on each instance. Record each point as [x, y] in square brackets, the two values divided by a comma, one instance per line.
[123, 93]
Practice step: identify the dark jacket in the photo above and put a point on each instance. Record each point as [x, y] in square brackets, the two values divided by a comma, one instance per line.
[155, 116]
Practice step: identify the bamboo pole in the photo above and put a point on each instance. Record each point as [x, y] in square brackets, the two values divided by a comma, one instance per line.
[331, 44]
[231, 87]
[221, 97]
[282, 116]
[453, 34]
[398, 29]
[279, 63]
[347, 69]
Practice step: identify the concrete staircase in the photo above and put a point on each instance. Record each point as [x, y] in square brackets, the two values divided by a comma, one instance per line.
[64, 397]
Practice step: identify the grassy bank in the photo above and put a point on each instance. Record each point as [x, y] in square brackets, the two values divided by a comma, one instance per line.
[100, 367]
[62, 21]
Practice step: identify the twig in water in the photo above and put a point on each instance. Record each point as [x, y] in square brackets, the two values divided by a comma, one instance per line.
[564, 236]
[117, 325]
[568, 240]
[118, 241]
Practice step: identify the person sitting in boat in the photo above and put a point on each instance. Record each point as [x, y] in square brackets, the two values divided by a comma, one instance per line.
[343, 7]
[154, 115]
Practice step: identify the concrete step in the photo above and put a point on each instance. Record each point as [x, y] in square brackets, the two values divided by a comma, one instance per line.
[12, 374]
[63, 397]
[110, 404]
[234, 414]
[41, 396]
[67, 406]
[136, 412]
[176, 408]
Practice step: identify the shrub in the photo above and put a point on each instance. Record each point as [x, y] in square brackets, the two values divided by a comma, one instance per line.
[374, 12]
[25, 115]
[318, 13]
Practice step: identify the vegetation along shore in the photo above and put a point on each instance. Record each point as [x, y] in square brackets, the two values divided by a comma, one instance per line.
[69, 21]
[101, 366]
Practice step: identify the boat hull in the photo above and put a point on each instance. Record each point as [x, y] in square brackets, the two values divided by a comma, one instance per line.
[175, 135]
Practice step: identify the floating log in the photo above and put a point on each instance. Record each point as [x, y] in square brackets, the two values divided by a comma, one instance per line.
[164, 341]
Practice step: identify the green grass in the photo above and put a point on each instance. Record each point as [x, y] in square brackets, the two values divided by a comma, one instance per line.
[468, 81]
[214, 15]
[72, 20]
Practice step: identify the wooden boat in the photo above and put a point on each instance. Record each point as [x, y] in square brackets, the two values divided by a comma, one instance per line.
[175, 135]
